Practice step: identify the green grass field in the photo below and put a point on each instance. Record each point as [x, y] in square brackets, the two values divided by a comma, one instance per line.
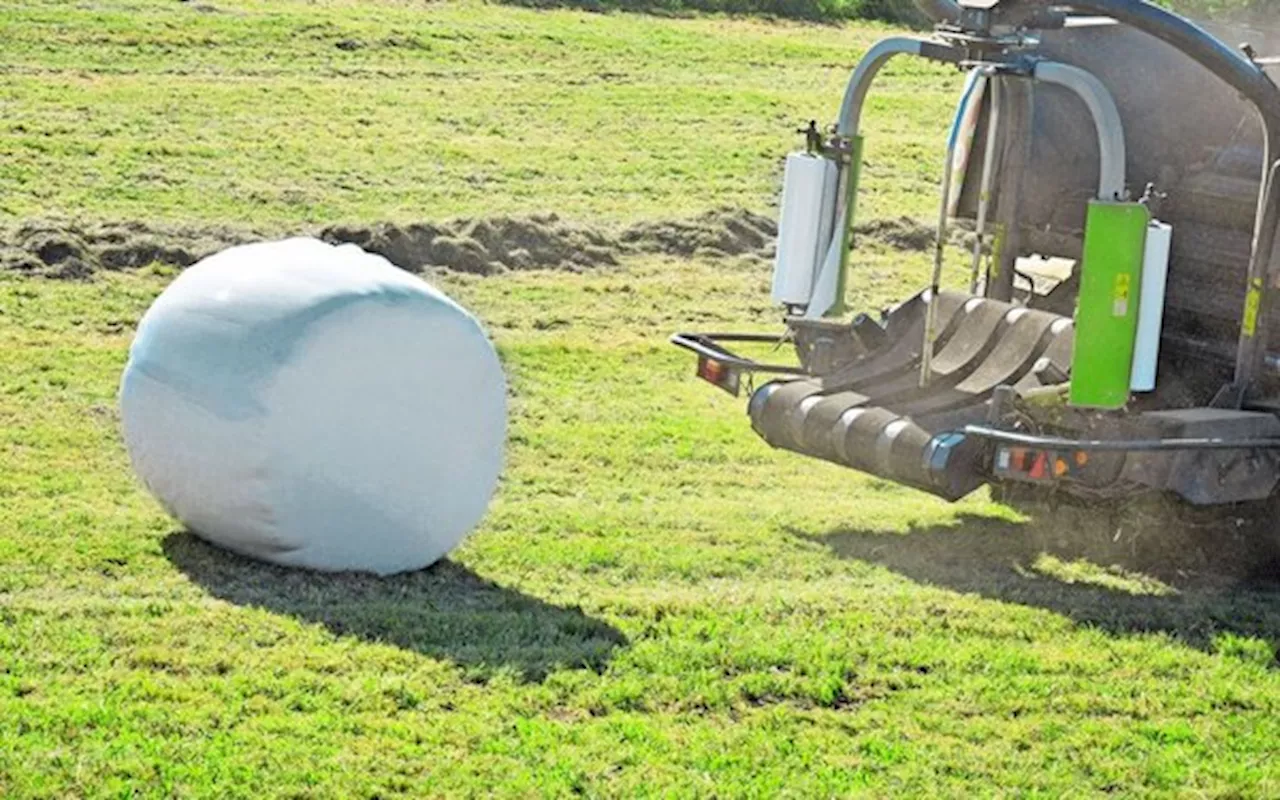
[657, 604]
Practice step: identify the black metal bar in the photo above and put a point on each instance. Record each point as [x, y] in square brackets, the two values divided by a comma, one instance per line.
[1014, 159]
[1252, 348]
[1118, 445]
[767, 338]
[1211, 350]
[706, 345]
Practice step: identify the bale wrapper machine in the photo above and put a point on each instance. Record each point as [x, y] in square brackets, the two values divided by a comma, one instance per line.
[1120, 138]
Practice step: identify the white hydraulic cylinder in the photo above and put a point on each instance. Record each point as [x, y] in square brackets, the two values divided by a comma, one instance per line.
[1155, 274]
[804, 226]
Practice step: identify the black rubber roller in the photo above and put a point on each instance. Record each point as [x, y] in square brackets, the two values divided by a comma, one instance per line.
[819, 422]
[855, 434]
[874, 416]
[772, 410]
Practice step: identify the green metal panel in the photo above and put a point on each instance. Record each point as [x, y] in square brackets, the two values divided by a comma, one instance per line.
[1107, 313]
[845, 223]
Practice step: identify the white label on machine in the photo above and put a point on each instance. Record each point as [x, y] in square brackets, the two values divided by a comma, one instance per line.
[1155, 273]
[804, 226]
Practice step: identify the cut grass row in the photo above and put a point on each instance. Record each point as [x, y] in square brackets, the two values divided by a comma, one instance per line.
[297, 112]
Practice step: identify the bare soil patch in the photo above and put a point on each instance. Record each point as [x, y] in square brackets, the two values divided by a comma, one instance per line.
[486, 246]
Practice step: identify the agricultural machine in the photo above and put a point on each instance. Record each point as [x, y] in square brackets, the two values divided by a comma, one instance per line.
[1129, 144]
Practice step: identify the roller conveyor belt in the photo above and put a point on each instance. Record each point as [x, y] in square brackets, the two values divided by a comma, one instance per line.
[874, 415]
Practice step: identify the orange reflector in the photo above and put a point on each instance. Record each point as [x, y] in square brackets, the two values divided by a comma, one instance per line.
[719, 374]
[1060, 467]
[1082, 458]
[1018, 458]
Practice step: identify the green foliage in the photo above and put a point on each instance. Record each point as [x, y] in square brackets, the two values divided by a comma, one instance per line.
[898, 11]
[902, 12]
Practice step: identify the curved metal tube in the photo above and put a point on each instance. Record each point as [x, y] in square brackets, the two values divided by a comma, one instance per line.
[1106, 118]
[1119, 445]
[939, 245]
[847, 123]
[856, 92]
[939, 10]
[1088, 22]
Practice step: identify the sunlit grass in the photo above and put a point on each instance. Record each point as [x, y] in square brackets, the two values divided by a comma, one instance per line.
[657, 603]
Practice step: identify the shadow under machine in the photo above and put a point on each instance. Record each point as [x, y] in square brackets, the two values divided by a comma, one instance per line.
[1110, 136]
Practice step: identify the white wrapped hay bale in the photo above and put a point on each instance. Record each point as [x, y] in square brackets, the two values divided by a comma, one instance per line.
[315, 406]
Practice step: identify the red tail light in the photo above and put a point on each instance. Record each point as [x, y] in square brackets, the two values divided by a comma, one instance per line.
[720, 374]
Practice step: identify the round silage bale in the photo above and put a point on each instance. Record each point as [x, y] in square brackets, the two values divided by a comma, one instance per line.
[315, 406]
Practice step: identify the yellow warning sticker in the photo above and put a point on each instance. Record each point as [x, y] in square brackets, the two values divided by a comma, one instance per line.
[1251, 303]
[1120, 297]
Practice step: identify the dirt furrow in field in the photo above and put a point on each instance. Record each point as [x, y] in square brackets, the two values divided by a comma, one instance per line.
[486, 246]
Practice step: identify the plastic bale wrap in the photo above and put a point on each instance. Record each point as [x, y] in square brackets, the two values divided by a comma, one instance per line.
[315, 406]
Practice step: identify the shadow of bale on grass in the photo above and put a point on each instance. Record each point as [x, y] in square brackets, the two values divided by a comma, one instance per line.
[1193, 583]
[445, 611]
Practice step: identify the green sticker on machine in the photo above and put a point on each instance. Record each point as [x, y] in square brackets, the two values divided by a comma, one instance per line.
[1120, 302]
[1107, 313]
[1252, 303]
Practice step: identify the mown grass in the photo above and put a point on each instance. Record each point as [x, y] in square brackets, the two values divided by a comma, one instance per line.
[657, 604]
[903, 12]
[301, 112]
[898, 11]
